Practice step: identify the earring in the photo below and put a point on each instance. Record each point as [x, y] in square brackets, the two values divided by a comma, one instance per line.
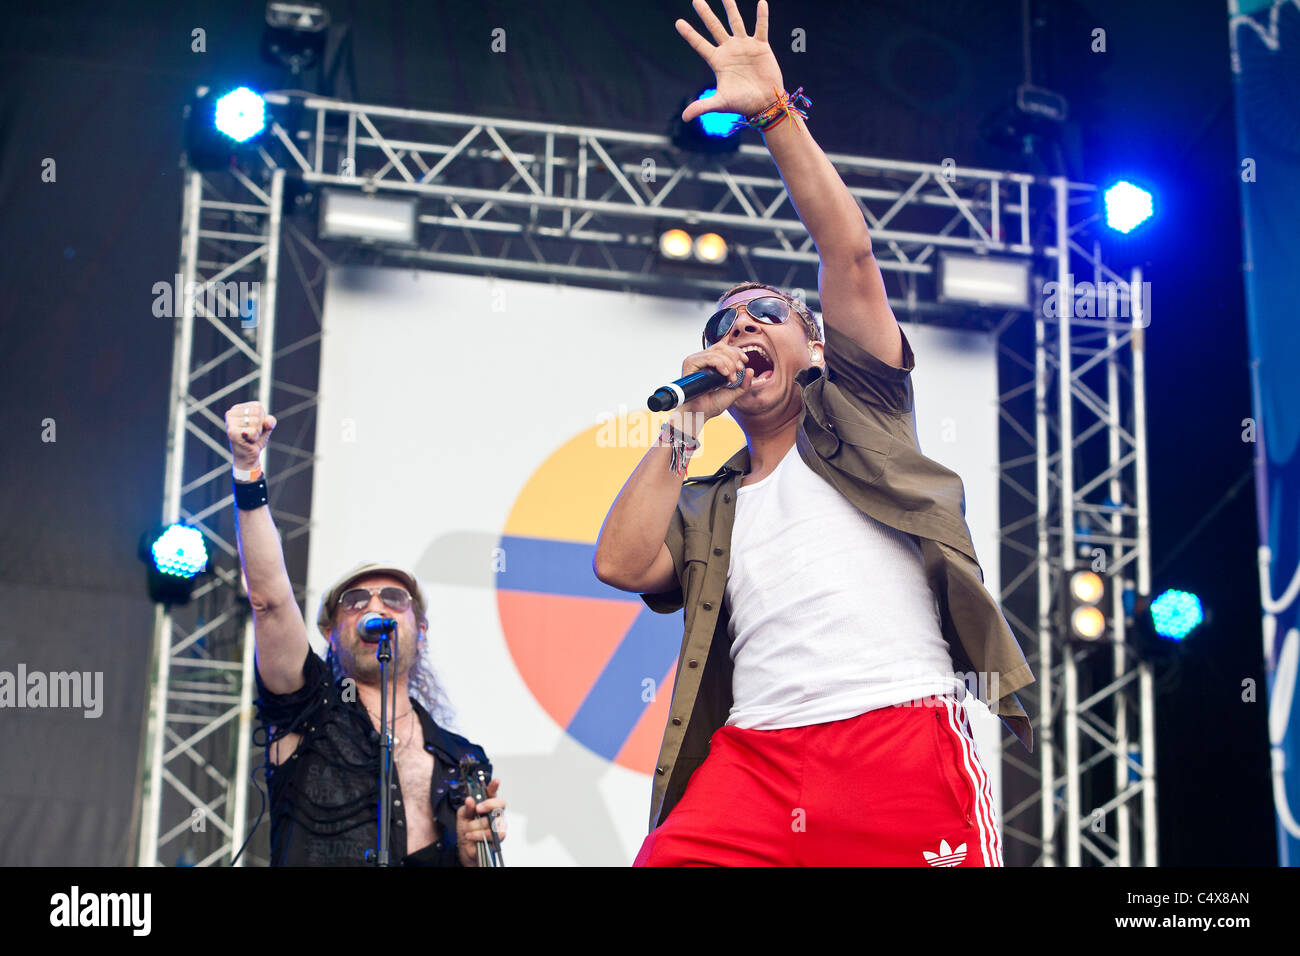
[815, 352]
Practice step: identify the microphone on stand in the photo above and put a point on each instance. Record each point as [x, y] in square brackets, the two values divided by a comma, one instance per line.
[685, 388]
[373, 626]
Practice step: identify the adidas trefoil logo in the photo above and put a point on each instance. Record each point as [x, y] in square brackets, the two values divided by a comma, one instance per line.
[946, 856]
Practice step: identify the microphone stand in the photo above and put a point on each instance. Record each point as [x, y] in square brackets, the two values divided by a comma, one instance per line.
[384, 654]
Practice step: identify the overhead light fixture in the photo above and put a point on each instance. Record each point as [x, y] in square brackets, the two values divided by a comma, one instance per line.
[240, 114]
[223, 127]
[711, 248]
[295, 34]
[675, 244]
[351, 215]
[1088, 623]
[1087, 586]
[1175, 614]
[1034, 101]
[1031, 115]
[175, 555]
[1162, 624]
[708, 132]
[715, 125]
[1127, 206]
[678, 245]
[984, 281]
[1085, 594]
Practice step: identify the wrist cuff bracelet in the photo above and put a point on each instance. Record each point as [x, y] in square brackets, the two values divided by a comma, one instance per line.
[250, 496]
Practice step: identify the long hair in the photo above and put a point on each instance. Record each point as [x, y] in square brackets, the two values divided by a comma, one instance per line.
[426, 689]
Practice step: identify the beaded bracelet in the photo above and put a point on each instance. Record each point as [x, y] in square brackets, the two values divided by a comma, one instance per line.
[774, 115]
[683, 446]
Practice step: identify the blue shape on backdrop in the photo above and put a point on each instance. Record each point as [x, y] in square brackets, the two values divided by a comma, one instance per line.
[1265, 41]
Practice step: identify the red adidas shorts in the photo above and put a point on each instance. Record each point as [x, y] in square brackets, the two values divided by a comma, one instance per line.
[898, 786]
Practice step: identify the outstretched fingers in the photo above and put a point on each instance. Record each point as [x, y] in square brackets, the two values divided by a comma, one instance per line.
[700, 45]
[712, 22]
[760, 23]
[734, 18]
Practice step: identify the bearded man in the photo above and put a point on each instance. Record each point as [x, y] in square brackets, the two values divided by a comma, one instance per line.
[321, 718]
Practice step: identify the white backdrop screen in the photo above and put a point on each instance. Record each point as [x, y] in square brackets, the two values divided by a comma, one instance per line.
[476, 431]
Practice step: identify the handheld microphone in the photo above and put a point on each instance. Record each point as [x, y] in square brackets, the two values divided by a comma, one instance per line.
[373, 626]
[685, 388]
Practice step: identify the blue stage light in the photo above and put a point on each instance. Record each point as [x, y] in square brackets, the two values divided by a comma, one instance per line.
[179, 551]
[1127, 206]
[241, 114]
[1175, 614]
[716, 124]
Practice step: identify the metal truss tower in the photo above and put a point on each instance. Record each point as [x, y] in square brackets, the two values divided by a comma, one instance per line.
[229, 347]
[585, 206]
[1077, 487]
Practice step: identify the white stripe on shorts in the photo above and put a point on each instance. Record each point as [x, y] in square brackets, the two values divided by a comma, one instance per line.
[985, 818]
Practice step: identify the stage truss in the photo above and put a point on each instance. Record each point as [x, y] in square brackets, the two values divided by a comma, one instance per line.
[585, 206]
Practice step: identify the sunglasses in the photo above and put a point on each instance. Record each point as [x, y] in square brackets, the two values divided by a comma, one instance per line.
[770, 310]
[394, 598]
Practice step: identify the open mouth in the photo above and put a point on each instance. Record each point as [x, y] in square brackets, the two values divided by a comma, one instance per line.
[758, 359]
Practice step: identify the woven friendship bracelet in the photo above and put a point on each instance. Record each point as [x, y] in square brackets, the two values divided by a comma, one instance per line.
[683, 447]
[785, 105]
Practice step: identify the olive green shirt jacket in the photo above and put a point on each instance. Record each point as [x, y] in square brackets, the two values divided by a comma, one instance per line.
[858, 431]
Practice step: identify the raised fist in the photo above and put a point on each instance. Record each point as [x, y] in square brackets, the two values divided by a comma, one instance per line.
[248, 426]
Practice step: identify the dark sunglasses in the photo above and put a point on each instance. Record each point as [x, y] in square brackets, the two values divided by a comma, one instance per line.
[395, 599]
[770, 310]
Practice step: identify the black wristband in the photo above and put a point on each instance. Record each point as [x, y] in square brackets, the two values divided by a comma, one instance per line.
[250, 495]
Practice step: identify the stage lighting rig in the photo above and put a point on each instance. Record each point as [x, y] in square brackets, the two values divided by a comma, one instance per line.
[221, 127]
[1085, 606]
[1127, 206]
[373, 219]
[1029, 118]
[175, 555]
[707, 133]
[710, 248]
[678, 245]
[1162, 624]
[1176, 614]
[675, 244]
[985, 281]
[240, 114]
[295, 35]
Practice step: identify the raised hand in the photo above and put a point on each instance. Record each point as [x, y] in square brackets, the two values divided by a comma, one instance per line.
[248, 428]
[747, 74]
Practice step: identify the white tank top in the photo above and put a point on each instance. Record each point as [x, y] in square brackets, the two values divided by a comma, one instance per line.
[831, 613]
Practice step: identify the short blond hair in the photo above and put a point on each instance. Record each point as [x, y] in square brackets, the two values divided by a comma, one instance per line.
[810, 324]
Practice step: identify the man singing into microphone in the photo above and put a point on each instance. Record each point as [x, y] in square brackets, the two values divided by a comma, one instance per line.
[832, 594]
[322, 717]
